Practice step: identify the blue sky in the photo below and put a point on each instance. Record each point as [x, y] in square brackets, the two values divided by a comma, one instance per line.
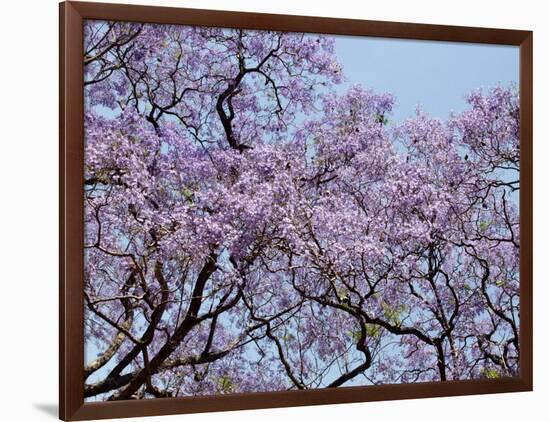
[433, 74]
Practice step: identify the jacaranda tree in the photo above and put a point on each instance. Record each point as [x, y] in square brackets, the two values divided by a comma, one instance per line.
[249, 229]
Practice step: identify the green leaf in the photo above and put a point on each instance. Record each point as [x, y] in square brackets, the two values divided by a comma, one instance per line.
[380, 118]
[188, 194]
[373, 330]
[342, 294]
[484, 225]
[225, 384]
[491, 373]
[354, 335]
[394, 315]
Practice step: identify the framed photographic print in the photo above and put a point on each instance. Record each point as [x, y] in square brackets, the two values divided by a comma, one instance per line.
[266, 210]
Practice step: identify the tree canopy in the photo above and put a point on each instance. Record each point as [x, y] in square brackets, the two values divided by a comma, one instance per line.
[249, 228]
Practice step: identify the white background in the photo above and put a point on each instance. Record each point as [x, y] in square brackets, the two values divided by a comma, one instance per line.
[29, 195]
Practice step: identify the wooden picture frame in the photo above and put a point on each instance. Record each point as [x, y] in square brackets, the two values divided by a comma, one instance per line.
[71, 165]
